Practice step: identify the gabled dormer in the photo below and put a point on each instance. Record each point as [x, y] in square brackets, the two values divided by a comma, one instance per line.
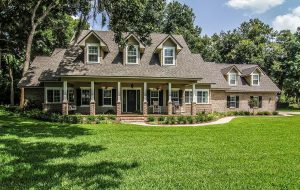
[168, 50]
[231, 73]
[132, 50]
[253, 75]
[94, 48]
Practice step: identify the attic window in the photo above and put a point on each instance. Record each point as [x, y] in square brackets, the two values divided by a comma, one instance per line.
[93, 53]
[255, 80]
[132, 54]
[232, 79]
[169, 56]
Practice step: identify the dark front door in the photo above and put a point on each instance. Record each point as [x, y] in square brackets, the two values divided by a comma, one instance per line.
[131, 101]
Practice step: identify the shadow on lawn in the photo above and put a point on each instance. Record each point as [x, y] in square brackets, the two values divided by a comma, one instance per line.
[45, 165]
[22, 127]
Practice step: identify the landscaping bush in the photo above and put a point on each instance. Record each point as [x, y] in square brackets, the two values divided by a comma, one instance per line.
[170, 120]
[181, 119]
[151, 119]
[111, 117]
[190, 119]
[161, 118]
[275, 113]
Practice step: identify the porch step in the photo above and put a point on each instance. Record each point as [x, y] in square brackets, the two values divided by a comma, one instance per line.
[132, 118]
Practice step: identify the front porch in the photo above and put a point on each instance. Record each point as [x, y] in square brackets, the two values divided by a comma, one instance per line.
[138, 98]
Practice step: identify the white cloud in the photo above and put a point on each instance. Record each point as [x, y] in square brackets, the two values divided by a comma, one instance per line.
[169, 1]
[290, 21]
[255, 6]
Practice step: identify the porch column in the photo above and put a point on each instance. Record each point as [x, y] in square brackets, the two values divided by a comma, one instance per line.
[193, 111]
[183, 99]
[170, 104]
[145, 103]
[119, 107]
[65, 104]
[92, 103]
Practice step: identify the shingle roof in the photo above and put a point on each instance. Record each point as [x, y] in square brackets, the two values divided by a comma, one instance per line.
[189, 66]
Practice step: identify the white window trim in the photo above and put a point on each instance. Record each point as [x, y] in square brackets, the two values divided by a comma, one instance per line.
[232, 101]
[154, 90]
[110, 89]
[174, 54]
[208, 96]
[137, 55]
[93, 45]
[190, 91]
[229, 74]
[252, 79]
[84, 88]
[46, 94]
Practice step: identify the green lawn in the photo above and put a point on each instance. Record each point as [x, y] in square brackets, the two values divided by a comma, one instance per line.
[248, 153]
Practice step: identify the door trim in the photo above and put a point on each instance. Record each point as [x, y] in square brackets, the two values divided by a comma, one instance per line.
[122, 98]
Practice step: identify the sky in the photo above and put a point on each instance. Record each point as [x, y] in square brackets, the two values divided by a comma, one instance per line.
[214, 16]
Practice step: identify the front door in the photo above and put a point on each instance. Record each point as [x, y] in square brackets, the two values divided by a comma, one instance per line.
[131, 101]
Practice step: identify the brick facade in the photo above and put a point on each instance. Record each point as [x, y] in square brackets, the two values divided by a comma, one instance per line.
[93, 108]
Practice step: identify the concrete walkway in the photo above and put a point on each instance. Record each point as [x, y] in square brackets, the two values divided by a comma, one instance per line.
[284, 113]
[220, 121]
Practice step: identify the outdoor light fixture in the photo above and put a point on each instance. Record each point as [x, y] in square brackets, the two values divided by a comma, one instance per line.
[131, 85]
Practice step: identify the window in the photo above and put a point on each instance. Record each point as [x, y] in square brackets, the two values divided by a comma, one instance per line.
[169, 56]
[175, 95]
[132, 54]
[232, 79]
[255, 80]
[53, 95]
[202, 96]
[154, 96]
[107, 97]
[188, 96]
[71, 95]
[256, 101]
[232, 102]
[93, 54]
[85, 97]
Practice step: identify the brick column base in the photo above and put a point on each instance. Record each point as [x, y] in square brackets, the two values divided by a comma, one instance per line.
[194, 110]
[119, 108]
[145, 108]
[65, 108]
[170, 108]
[93, 108]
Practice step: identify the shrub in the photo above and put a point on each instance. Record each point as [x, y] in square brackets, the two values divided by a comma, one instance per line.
[190, 119]
[151, 119]
[111, 117]
[181, 119]
[170, 120]
[260, 113]
[266, 113]
[161, 118]
[275, 113]
[90, 119]
[200, 118]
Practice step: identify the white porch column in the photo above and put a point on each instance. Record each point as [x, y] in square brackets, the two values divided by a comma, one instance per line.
[193, 109]
[145, 91]
[92, 103]
[65, 91]
[119, 92]
[170, 93]
[65, 106]
[145, 103]
[170, 104]
[194, 93]
[92, 91]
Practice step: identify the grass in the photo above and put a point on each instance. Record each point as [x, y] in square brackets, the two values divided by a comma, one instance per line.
[248, 153]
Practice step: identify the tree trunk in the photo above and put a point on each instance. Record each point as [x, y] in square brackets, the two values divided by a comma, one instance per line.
[27, 62]
[12, 92]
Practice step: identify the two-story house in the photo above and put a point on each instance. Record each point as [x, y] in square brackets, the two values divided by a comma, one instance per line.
[97, 76]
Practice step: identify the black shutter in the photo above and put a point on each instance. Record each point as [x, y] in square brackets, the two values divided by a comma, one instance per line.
[251, 99]
[114, 97]
[180, 97]
[167, 91]
[260, 102]
[100, 97]
[78, 97]
[161, 98]
[148, 97]
[228, 101]
[237, 101]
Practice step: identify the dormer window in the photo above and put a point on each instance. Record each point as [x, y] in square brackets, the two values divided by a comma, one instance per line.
[169, 56]
[255, 80]
[93, 52]
[232, 79]
[132, 54]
